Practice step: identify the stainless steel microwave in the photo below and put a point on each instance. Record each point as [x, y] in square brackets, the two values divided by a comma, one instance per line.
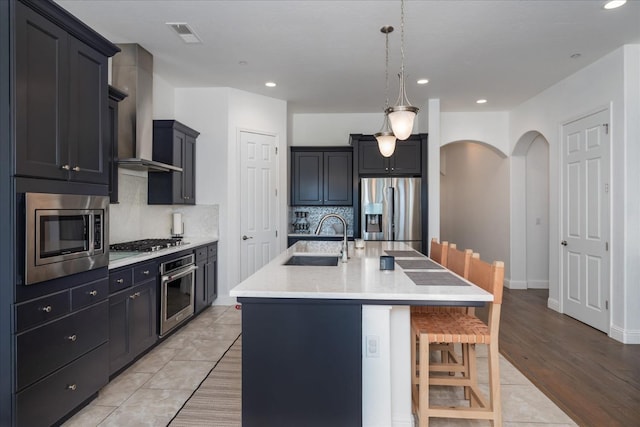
[65, 234]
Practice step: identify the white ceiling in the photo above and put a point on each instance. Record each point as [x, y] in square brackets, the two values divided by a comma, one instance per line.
[327, 56]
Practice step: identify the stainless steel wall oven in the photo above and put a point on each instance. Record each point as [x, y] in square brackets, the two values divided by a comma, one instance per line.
[64, 234]
[176, 292]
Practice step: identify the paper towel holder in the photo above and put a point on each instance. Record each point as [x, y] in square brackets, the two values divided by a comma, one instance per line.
[177, 229]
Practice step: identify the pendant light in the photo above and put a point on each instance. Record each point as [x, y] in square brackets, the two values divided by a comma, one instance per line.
[386, 139]
[403, 113]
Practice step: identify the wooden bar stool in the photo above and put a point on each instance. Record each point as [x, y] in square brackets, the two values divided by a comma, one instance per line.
[446, 327]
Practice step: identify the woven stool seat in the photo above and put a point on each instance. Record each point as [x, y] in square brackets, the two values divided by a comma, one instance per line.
[451, 327]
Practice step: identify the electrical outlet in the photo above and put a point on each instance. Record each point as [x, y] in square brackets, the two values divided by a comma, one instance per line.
[373, 346]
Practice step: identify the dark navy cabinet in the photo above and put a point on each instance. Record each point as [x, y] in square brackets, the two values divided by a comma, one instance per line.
[206, 276]
[61, 351]
[174, 144]
[133, 320]
[321, 176]
[406, 159]
[61, 99]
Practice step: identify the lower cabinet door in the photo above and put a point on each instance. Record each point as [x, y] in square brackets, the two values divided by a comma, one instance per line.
[200, 299]
[211, 273]
[48, 400]
[133, 323]
[119, 348]
[143, 320]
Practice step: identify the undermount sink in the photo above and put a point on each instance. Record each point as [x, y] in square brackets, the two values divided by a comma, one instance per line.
[311, 260]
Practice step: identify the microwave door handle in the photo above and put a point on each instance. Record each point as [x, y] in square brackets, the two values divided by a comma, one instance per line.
[89, 230]
[179, 274]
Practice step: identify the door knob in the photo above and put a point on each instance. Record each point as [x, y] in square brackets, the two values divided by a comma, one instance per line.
[246, 237]
[563, 243]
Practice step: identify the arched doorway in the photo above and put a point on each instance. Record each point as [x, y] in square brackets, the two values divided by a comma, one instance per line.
[530, 213]
[474, 198]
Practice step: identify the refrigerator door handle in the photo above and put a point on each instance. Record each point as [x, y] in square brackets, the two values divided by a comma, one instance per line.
[389, 234]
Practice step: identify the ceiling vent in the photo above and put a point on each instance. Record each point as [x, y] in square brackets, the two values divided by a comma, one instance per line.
[185, 32]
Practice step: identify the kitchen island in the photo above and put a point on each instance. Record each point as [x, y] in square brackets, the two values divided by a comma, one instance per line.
[329, 345]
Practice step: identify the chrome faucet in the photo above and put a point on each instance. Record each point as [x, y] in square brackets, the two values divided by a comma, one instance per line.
[345, 244]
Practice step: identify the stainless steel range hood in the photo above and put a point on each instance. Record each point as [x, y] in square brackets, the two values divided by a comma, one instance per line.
[132, 72]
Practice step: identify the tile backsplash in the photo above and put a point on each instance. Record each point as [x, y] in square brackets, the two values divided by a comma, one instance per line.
[317, 212]
[132, 218]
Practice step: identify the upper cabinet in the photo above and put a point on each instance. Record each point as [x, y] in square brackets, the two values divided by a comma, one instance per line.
[321, 176]
[174, 144]
[115, 96]
[405, 161]
[61, 96]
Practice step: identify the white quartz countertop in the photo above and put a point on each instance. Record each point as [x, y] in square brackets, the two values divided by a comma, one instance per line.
[360, 278]
[123, 259]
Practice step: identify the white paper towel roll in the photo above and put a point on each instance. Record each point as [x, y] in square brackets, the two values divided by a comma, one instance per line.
[177, 224]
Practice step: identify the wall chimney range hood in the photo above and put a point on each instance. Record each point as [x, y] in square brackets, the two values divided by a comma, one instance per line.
[132, 72]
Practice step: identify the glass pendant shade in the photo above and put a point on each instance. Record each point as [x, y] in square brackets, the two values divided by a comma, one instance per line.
[401, 118]
[386, 143]
[386, 139]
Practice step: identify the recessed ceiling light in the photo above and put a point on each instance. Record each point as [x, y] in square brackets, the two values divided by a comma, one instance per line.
[481, 101]
[613, 4]
[270, 84]
[423, 81]
[242, 62]
[185, 32]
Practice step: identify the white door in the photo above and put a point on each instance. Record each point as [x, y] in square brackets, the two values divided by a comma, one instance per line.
[585, 145]
[257, 201]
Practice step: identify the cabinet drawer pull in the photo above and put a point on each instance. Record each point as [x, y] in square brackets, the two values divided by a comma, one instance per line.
[72, 337]
[146, 272]
[47, 309]
[72, 387]
[93, 293]
[65, 167]
[120, 281]
[76, 169]
[135, 295]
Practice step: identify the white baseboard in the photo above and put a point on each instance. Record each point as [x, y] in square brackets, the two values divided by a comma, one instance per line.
[515, 284]
[225, 300]
[537, 284]
[553, 304]
[402, 421]
[625, 336]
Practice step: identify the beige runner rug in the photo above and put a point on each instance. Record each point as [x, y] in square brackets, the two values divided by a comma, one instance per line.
[217, 402]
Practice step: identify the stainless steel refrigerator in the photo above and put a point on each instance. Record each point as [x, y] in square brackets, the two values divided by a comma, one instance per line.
[390, 209]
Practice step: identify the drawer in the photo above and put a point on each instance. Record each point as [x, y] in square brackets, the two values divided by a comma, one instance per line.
[119, 280]
[91, 293]
[42, 310]
[47, 348]
[144, 272]
[201, 253]
[212, 250]
[48, 400]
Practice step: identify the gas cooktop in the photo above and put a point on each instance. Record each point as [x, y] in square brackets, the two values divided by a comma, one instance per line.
[146, 245]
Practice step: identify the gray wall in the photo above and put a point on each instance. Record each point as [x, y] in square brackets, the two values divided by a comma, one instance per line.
[474, 199]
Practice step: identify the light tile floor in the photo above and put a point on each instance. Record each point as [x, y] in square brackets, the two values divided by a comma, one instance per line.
[154, 389]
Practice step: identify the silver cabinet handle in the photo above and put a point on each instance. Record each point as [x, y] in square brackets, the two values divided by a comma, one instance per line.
[76, 169]
[72, 337]
[135, 295]
[47, 309]
[120, 281]
[93, 293]
[246, 237]
[72, 387]
[65, 167]
[146, 272]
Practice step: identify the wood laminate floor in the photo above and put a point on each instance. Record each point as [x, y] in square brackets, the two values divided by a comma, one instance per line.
[593, 378]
